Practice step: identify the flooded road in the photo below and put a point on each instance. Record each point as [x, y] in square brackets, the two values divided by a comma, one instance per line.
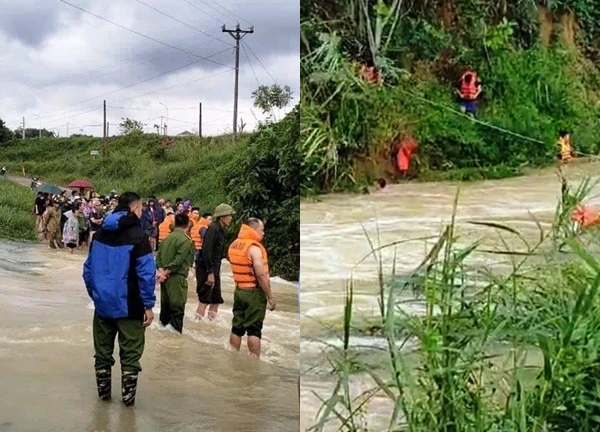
[333, 241]
[189, 382]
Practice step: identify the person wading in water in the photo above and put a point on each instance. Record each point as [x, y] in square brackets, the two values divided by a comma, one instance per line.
[52, 221]
[120, 276]
[250, 267]
[208, 265]
[174, 259]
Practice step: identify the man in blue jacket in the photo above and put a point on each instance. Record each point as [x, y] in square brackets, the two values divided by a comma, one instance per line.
[120, 277]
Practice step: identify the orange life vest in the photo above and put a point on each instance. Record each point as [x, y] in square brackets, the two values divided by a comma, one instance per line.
[586, 216]
[202, 223]
[241, 265]
[165, 228]
[195, 232]
[468, 91]
[566, 150]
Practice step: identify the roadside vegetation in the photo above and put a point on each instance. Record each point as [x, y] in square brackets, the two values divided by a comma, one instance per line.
[501, 348]
[538, 62]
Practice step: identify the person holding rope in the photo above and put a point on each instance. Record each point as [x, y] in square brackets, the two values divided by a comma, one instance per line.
[565, 149]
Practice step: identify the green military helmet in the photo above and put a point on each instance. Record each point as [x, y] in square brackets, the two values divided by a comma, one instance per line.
[223, 210]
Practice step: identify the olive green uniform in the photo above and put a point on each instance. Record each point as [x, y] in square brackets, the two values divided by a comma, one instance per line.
[52, 223]
[176, 254]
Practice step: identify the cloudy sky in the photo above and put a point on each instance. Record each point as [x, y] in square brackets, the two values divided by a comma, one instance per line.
[60, 63]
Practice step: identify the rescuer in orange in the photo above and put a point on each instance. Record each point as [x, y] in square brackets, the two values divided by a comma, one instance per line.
[468, 91]
[195, 229]
[166, 226]
[565, 149]
[250, 267]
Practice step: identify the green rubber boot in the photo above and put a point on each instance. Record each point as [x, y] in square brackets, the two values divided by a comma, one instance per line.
[128, 387]
[103, 382]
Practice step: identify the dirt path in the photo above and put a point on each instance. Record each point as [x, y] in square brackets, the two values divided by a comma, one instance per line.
[26, 181]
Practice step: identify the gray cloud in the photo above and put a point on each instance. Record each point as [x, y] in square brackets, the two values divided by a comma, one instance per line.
[61, 63]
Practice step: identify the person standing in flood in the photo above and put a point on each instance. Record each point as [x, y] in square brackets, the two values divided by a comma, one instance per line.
[208, 263]
[174, 259]
[120, 276]
[250, 267]
[52, 221]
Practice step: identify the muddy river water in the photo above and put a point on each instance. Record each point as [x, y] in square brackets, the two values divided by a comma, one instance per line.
[190, 382]
[333, 241]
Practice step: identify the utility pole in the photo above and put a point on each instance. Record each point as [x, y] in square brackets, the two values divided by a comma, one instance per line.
[237, 35]
[67, 131]
[161, 126]
[23, 128]
[200, 121]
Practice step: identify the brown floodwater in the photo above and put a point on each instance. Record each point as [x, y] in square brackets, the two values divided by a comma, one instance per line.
[189, 382]
[334, 240]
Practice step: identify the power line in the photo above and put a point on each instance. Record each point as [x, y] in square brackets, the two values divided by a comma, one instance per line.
[138, 82]
[184, 23]
[226, 10]
[173, 86]
[250, 63]
[261, 63]
[141, 95]
[148, 53]
[170, 109]
[202, 10]
[138, 33]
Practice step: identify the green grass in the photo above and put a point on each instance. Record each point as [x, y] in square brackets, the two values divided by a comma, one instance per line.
[17, 221]
[503, 350]
[191, 168]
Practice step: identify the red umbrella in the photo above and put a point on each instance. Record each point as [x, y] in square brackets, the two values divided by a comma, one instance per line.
[82, 184]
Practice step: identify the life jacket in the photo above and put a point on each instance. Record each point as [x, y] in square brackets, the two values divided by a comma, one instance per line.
[165, 228]
[468, 91]
[565, 148]
[241, 266]
[195, 232]
[202, 223]
[586, 216]
[407, 147]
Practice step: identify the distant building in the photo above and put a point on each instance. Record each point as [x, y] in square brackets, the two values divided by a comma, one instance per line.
[186, 133]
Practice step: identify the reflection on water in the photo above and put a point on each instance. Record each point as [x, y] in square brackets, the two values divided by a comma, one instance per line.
[188, 383]
[333, 241]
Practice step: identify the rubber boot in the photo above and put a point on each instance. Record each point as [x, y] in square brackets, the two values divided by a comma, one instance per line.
[129, 387]
[103, 382]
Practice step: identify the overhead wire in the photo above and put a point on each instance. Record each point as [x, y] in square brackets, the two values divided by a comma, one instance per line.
[260, 62]
[146, 54]
[231, 13]
[202, 10]
[138, 33]
[170, 71]
[141, 95]
[250, 63]
[184, 23]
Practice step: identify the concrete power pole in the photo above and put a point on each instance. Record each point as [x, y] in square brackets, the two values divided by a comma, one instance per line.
[23, 127]
[237, 35]
[200, 120]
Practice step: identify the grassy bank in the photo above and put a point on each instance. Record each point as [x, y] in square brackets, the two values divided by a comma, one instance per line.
[536, 61]
[16, 212]
[503, 350]
[257, 175]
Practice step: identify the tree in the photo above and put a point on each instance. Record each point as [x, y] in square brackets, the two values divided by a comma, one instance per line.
[5, 133]
[269, 98]
[33, 133]
[264, 183]
[129, 126]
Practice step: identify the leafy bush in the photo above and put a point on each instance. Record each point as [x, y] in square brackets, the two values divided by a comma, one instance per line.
[263, 183]
[531, 91]
[16, 212]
